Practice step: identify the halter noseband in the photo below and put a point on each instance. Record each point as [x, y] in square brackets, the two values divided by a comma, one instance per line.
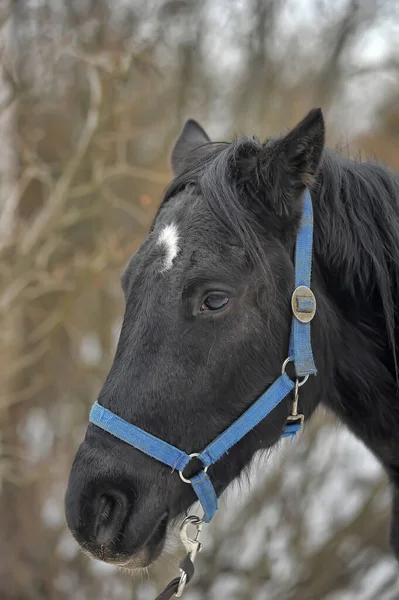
[300, 353]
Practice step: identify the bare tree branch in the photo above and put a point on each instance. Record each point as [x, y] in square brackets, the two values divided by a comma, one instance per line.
[59, 195]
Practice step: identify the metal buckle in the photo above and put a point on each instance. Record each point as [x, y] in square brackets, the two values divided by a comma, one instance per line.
[303, 304]
[204, 470]
[192, 546]
[298, 418]
[295, 416]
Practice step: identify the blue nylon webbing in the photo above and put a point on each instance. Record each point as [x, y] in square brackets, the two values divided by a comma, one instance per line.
[290, 431]
[251, 417]
[176, 459]
[300, 344]
[206, 494]
[147, 443]
[305, 305]
[300, 353]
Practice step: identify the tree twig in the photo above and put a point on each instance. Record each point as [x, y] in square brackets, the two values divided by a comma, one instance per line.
[61, 188]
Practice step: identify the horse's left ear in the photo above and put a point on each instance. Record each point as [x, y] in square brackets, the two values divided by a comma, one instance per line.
[295, 159]
[188, 145]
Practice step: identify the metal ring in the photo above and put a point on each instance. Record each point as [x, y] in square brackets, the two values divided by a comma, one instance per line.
[299, 383]
[285, 363]
[304, 380]
[204, 470]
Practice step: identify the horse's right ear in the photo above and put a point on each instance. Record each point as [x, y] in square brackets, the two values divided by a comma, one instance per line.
[187, 145]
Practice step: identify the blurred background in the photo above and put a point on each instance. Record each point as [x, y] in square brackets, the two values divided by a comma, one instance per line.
[92, 95]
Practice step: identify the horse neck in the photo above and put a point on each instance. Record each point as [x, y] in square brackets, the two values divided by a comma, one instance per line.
[356, 275]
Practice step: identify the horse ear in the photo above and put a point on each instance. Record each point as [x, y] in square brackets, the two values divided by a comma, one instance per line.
[295, 159]
[302, 148]
[277, 171]
[190, 139]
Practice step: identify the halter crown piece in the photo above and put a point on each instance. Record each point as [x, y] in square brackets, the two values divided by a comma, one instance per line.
[303, 304]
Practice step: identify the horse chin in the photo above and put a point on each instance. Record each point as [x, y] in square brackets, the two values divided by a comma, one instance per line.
[140, 559]
[135, 563]
[151, 551]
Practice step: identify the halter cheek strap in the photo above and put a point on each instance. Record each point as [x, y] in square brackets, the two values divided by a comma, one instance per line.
[303, 302]
[300, 353]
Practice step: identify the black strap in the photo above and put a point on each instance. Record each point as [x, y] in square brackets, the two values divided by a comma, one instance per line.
[185, 565]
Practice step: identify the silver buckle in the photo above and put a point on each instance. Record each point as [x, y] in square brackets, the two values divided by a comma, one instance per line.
[294, 416]
[192, 546]
[303, 293]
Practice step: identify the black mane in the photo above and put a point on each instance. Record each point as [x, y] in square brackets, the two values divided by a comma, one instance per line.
[356, 208]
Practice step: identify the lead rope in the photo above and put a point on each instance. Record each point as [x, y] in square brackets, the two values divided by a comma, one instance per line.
[192, 546]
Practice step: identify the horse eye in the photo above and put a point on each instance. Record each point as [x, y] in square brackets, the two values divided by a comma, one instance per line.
[215, 302]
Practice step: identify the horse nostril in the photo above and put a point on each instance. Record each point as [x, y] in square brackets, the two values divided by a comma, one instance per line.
[111, 513]
[107, 504]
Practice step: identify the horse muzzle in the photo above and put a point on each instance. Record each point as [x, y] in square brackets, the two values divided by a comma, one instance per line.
[113, 518]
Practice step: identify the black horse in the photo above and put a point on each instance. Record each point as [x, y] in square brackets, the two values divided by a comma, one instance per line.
[207, 323]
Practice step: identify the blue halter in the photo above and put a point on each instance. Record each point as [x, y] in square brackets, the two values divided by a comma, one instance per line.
[300, 353]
